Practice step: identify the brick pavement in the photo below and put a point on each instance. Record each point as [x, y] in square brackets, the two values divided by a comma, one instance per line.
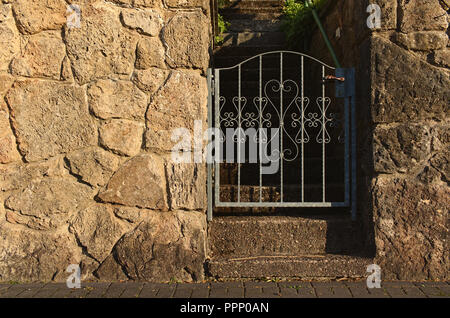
[251, 289]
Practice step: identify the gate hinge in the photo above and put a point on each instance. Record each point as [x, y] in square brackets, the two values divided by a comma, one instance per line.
[212, 86]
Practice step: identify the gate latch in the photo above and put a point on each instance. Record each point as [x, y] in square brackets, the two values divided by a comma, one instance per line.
[334, 78]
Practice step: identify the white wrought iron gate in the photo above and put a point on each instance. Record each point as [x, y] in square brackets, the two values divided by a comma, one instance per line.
[284, 134]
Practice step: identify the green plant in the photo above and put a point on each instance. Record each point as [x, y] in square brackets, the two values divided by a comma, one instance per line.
[298, 21]
[223, 26]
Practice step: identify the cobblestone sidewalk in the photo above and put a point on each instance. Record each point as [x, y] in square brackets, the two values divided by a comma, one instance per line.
[293, 289]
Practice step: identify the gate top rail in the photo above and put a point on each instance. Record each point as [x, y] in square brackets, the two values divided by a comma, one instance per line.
[274, 52]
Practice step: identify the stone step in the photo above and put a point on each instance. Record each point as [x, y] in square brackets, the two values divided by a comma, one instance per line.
[248, 4]
[306, 267]
[250, 236]
[242, 25]
[253, 39]
[236, 14]
[334, 192]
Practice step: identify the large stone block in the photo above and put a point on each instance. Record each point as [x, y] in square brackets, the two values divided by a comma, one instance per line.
[405, 88]
[400, 148]
[50, 118]
[186, 183]
[48, 203]
[187, 38]
[101, 47]
[42, 57]
[123, 137]
[421, 15]
[167, 246]
[140, 182]
[181, 101]
[33, 16]
[97, 230]
[93, 165]
[30, 256]
[411, 229]
[139, 3]
[116, 99]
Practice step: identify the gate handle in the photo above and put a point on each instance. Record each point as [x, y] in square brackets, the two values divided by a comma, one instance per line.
[334, 78]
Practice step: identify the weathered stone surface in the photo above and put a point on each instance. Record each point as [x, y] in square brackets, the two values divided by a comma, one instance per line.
[49, 118]
[400, 148]
[139, 182]
[9, 42]
[48, 203]
[423, 41]
[139, 3]
[42, 57]
[101, 47]
[94, 166]
[388, 13]
[204, 4]
[132, 215]
[149, 53]
[418, 96]
[167, 246]
[180, 102]
[122, 136]
[186, 186]
[147, 22]
[33, 17]
[117, 99]
[186, 37]
[150, 80]
[32, 256]
[97, 230]
[442, 58]
[421, 15]
[411, 229]
[110, 271]
[16, 176]
[6, 81]
[8, 145]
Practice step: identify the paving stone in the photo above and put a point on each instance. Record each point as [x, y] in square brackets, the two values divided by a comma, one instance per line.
[183, 291]
[358, 289]
[378, 292]
[431, 291]
[236, 292]
[132, 290]
[166, 291]
[395, 292]
[288, 292]
[218, 292]
[271, 291]
[413, 292]
[201, 291]
[149, 291]
[4, 288]
[253, 292]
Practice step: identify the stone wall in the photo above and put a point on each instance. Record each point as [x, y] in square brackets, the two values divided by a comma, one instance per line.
[86, 115]
[403, 95]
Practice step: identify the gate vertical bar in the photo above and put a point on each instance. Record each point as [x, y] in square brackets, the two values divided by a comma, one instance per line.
[323, 133]
[217, 148]
[351, 83]
[347, 147]
[209, 155]
[303, 127]
[281, 124]
[260, 128]
[239, 135]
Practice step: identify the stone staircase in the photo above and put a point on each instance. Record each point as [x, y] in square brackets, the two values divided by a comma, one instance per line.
[260, 243]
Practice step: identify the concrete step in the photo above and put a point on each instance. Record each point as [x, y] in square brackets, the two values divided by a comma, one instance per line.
[250, 236]
[306, 267]
[253, 39]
